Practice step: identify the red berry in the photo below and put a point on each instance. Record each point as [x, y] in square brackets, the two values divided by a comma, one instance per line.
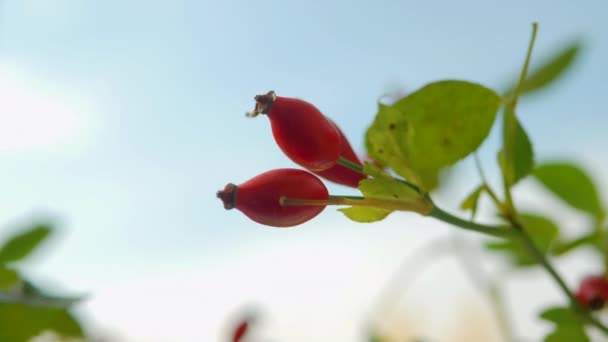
[260, 197]
[340, 174]
[593, 292]
[239, 331]
[302, 132]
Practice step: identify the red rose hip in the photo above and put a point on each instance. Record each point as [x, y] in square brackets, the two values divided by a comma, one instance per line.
[302, 132]
[260, 197]
[340, 174]
[593, 292]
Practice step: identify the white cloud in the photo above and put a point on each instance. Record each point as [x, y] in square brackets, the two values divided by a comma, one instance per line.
[38, 114]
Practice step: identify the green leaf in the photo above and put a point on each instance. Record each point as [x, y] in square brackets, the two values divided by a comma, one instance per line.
[20, 322]
[572, 185]
[550, 70]
[432, 128]
[523, 156]
[593, 239]
[376, 172]
[397, 193]
[470, 202]
[541, 230]
[22, 244]
[365, 214]
[9, 278]
[391, 189]
[568, 325]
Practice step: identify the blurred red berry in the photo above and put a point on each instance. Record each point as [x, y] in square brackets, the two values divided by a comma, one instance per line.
[340, 174]
[260, 197]
[302, 132]
[593, 292]
[239, 331]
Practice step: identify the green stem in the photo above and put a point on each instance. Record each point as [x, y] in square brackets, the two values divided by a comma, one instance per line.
[496, 231]
[524, 70]
[350, 165]
[484, 182]
[421, 206]
[510, 126]
[358, 168]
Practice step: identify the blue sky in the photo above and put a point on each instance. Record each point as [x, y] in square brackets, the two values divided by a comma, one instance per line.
[140, 119]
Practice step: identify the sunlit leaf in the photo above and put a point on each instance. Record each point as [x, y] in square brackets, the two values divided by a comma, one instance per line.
[22, 244]
[365, 214]
[432, 128]
[570, 183]
[541, 230]
[375, 171]
[399, 194]
[568, 325]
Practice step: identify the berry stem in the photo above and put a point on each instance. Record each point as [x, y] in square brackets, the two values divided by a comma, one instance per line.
[421, 207]
[358, 168]
[350, 165]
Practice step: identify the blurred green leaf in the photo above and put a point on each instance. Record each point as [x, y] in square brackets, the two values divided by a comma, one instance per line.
[470, 202]
[562, 247]
[570, 183]
[22, 244]
[36, 296]
[20, 322]
[568, 326]
[432, 128]
[9, 278]
[550, 70]
[523, 156]
[541, 230]
[365, 214]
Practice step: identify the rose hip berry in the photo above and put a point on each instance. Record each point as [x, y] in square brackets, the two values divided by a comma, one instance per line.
[340, 174]
[302, 132]
[260, 197]
[240, 331]
[593, 292]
